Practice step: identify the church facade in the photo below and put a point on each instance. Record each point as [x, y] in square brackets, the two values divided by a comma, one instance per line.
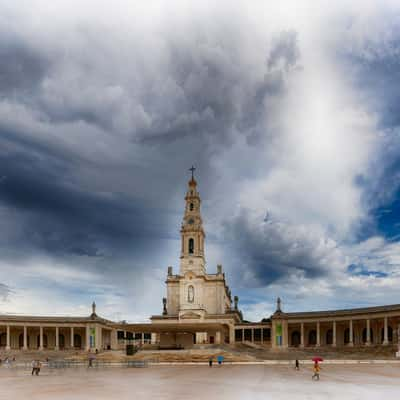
[199, 310]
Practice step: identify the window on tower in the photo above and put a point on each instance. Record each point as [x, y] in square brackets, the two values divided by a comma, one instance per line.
[191, 207]
[191, 246]
[190, 294]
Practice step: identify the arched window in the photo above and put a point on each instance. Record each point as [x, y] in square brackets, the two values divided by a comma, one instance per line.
[191, 246]
[191, 207]
[190, 294]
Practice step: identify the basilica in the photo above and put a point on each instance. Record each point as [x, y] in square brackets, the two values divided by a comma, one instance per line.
[199, 310]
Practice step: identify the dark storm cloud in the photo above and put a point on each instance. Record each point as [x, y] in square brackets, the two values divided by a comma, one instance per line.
[274, 250]
[63, 219]
[192, 107]
[22, 67]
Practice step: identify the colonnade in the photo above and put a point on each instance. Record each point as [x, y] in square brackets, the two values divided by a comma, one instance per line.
[347, 332]
[55, 337]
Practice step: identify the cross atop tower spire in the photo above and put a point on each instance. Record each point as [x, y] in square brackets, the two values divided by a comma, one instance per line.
[192, 170]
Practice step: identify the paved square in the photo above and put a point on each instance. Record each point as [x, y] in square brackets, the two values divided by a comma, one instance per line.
[201, 382]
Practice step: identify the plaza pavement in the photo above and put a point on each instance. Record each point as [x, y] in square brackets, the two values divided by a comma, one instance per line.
[192, 382]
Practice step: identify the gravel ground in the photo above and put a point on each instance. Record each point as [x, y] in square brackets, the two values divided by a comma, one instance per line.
[201, 382]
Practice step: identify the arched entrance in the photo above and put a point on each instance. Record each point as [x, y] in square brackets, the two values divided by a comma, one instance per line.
[44, 341]
[364, 335]
[312, 338]
[77, 341]
[295, 339]
[3, 340]
[329, 337]
[61, 341]
[347, 336]
[390, 334]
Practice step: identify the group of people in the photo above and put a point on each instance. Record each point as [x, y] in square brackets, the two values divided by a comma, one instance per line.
[220, 359]
[316, 369]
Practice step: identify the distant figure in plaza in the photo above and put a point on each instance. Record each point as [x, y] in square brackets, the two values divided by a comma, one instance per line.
[317, 370]
[38, 366]
[297, 365]
[220, 359]
[91, 358]
[210, 361]
[33, 366]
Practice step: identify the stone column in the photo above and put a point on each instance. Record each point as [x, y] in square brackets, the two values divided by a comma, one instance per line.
[385, 331]
[72, 337]
[302, 335]
[252, 335]
[351, 333]
[87, 344]
[242, 335]
[218, 337]
[318, 334]
[262, 335]
[25, 338]
[334, 334]
[8, 347]
[114, 339]
[41, 338]
[57, 339]
[154, 338]
[368, 341]
[142, 338]
[231, 334]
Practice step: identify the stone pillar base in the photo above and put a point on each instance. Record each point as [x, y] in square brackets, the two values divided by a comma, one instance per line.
[8, 348]
[56, 348]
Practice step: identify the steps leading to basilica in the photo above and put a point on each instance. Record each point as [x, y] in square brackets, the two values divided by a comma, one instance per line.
[339, 353]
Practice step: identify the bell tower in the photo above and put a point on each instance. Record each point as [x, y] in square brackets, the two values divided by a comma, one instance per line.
[192, 233]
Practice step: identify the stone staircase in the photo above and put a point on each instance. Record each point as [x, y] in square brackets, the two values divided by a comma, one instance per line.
[350, 353]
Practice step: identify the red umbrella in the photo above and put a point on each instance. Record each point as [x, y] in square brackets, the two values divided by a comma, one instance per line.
[317, 359]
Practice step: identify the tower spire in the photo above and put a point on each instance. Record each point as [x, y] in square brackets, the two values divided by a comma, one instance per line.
[192, 233]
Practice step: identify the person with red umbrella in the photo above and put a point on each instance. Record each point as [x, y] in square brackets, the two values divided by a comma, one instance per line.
[316, 368]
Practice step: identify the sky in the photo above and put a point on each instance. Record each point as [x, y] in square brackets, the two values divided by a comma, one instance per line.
[290, 112]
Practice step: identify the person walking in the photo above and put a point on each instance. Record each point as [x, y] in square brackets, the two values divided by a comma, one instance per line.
[317, 370]
[210, 361]
[33, 367]
[38, 366]
[297, 365]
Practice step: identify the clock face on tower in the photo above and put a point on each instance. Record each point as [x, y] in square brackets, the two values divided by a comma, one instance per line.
[191, 221]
